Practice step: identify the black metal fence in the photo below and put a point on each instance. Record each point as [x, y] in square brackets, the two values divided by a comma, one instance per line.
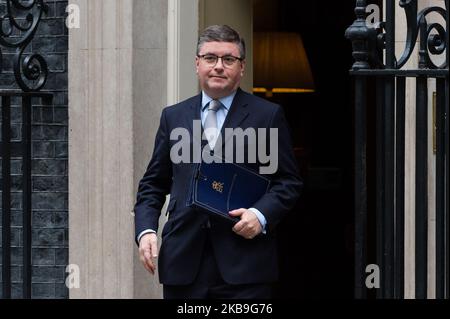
[370, 44]
[21, 150]
[30, 73]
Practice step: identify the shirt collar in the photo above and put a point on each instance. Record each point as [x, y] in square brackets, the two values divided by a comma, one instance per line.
[226, 101]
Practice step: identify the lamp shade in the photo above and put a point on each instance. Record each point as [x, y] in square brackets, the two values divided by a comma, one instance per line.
[280, 63]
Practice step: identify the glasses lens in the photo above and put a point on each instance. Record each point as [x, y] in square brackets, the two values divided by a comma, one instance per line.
[229, 60]
[210, 59]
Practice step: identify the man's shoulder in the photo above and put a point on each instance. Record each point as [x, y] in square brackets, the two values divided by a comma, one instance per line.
[261, 104]
[244, 97]
[181, 106]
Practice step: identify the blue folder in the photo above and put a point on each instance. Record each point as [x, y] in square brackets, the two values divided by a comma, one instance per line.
[218, 188]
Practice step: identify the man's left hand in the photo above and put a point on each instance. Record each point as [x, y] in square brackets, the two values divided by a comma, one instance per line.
[249, 225]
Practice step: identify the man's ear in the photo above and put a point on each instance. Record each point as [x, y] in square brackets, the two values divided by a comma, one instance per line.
[242, 67]
[197, 60]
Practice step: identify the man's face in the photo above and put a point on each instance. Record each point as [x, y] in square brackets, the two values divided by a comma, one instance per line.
[219, 80]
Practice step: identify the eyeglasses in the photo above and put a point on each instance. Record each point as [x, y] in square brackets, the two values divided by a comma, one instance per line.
[227, 60]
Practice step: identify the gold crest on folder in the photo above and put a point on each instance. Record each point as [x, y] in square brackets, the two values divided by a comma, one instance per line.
[217, 186]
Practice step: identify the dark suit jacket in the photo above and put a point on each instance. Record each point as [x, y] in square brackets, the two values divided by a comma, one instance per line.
[240, 260]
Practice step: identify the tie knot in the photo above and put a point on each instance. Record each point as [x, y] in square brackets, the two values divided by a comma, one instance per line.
[214, 105]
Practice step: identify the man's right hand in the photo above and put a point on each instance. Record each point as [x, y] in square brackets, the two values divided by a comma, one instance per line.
[148, 251]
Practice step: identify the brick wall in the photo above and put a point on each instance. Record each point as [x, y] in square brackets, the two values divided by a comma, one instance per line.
[49, 163]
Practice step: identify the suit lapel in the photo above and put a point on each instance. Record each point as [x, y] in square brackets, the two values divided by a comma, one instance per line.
[237, 113]
[193, 113]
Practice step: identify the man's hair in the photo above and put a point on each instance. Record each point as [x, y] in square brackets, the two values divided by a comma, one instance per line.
[221, 33]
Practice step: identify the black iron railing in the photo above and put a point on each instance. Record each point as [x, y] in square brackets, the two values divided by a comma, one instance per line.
[30, 72]
[368, 42]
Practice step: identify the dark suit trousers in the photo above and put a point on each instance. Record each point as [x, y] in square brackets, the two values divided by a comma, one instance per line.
[209, 283]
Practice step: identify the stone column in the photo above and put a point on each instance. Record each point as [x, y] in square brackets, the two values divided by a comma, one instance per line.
[117, 85]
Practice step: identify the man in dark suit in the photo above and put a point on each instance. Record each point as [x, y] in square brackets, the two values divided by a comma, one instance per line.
[202, 256]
